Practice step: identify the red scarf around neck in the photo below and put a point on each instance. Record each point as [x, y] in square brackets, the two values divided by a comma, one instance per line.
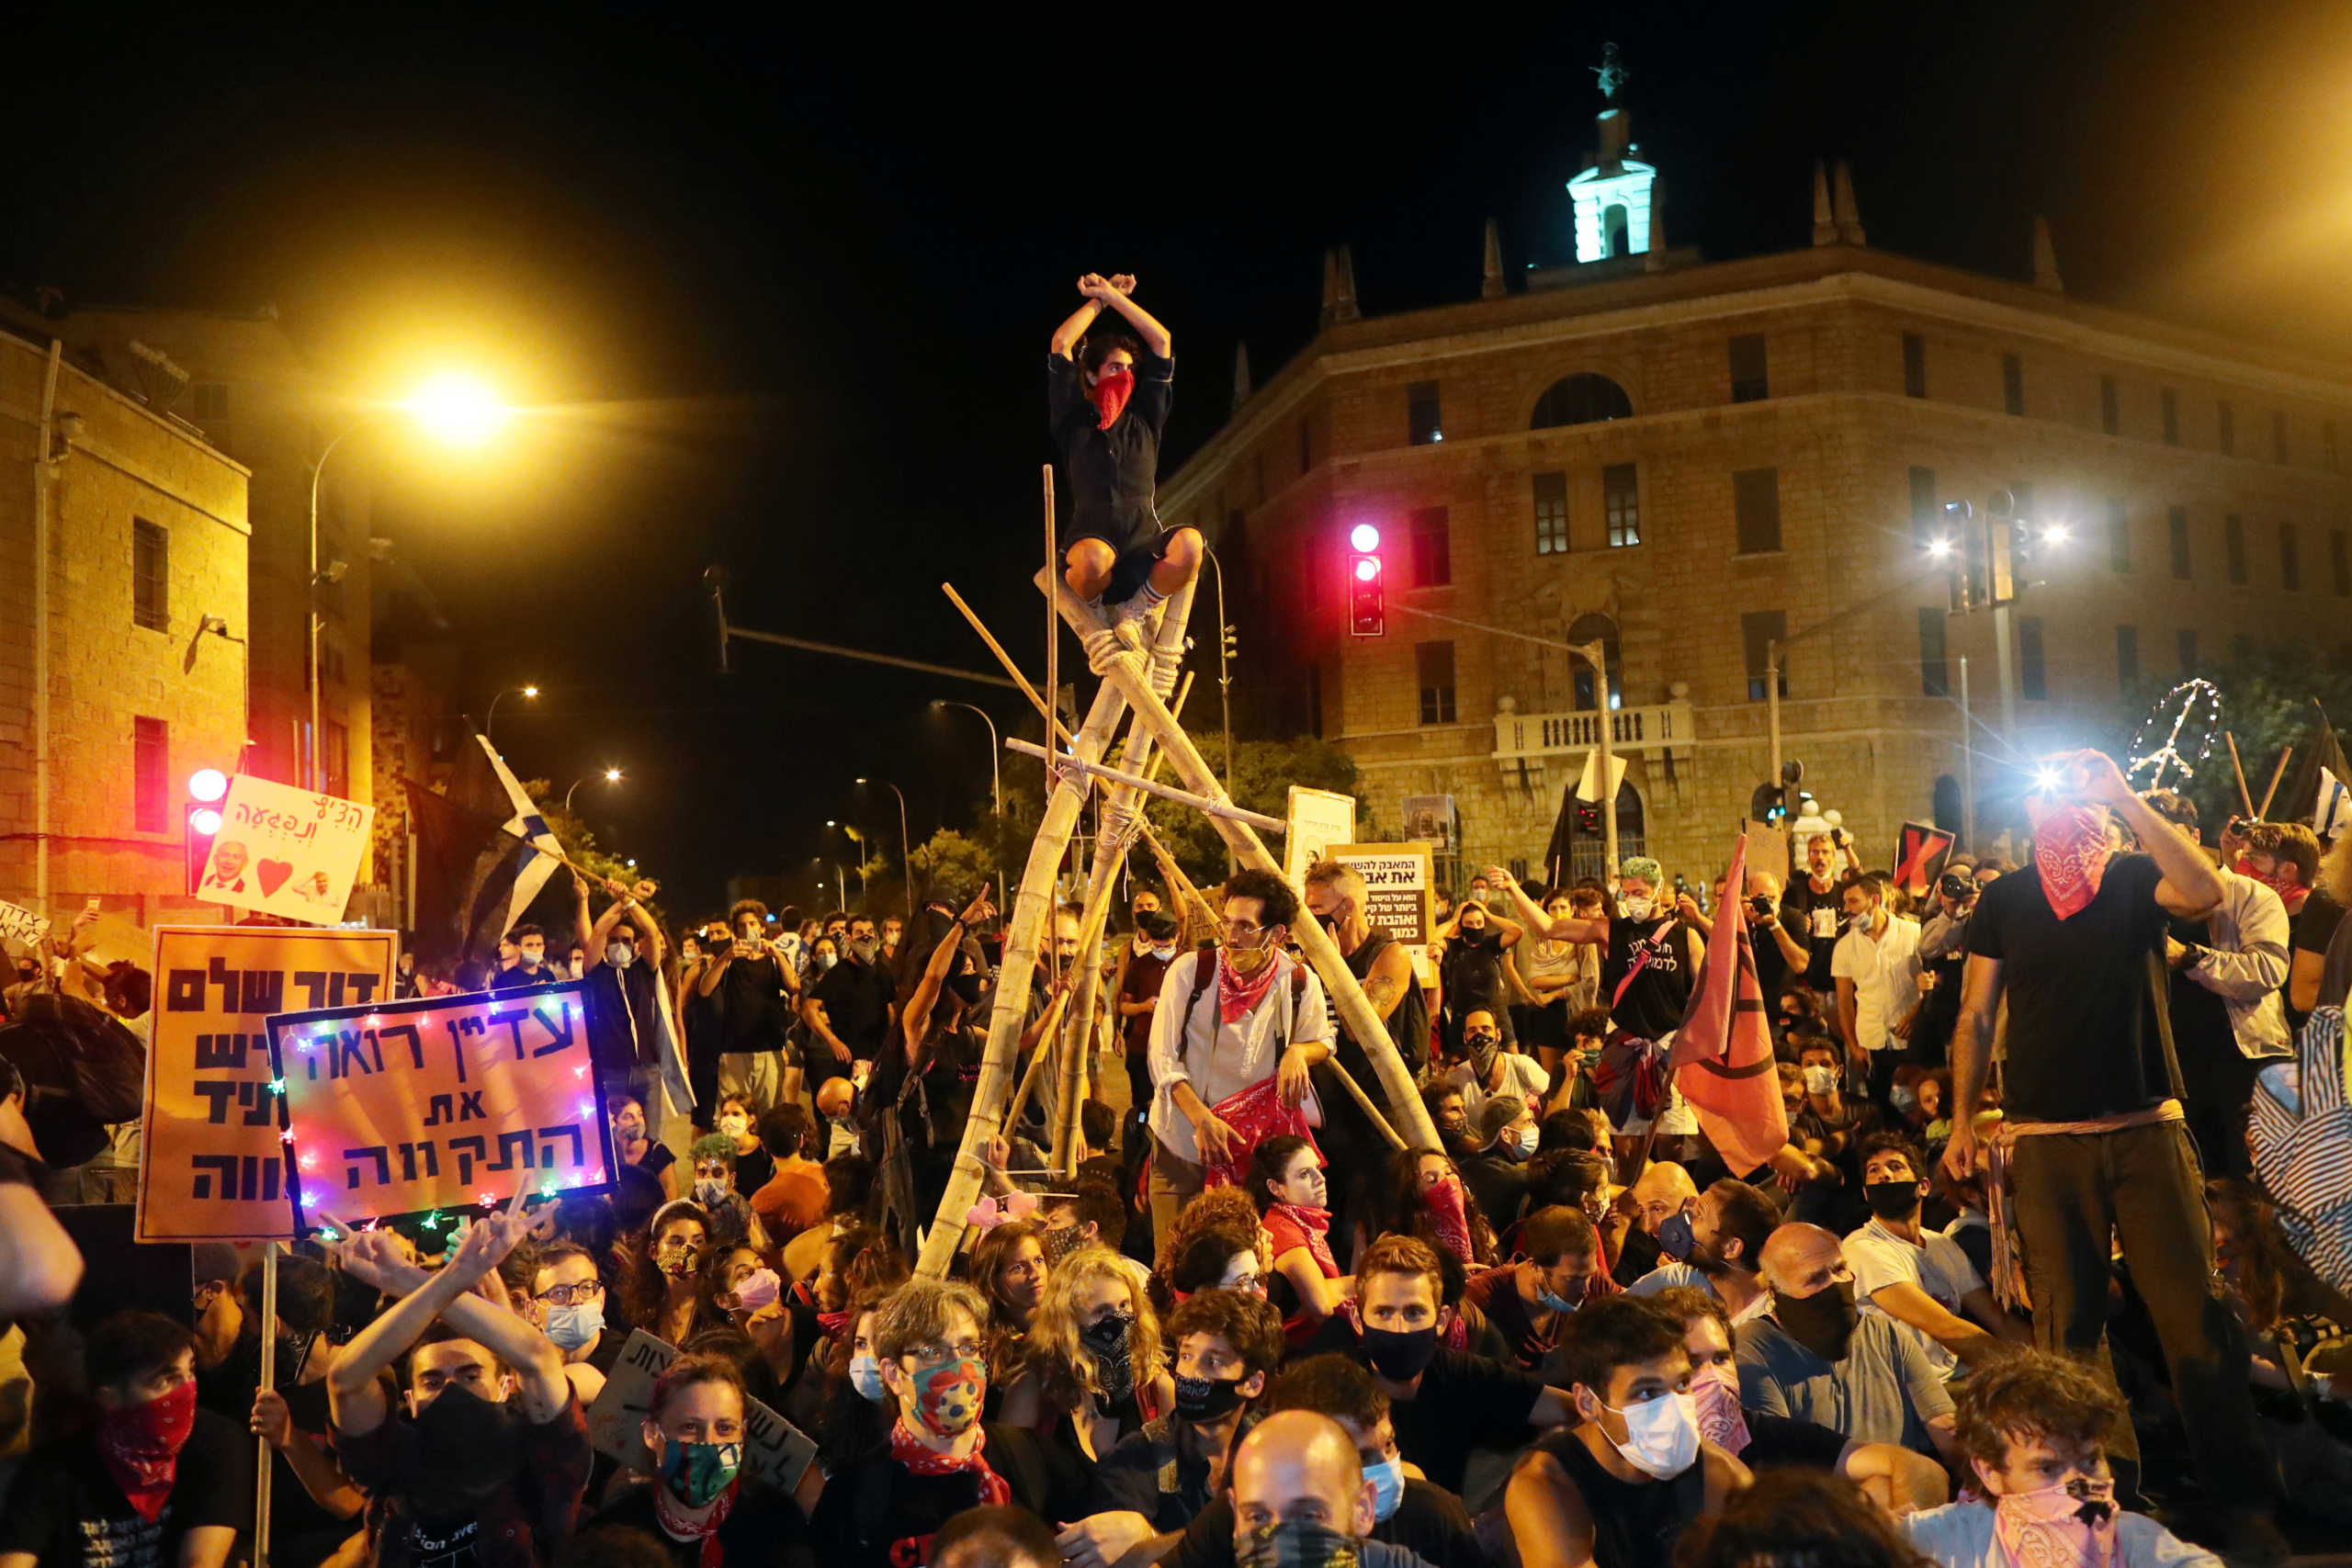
[1237, 994]
[910, 1452]
[1317, 1224]
[2070, 850]
[677, 1526]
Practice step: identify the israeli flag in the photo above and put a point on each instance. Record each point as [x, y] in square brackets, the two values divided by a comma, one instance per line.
[2334, 812]
[541, 853]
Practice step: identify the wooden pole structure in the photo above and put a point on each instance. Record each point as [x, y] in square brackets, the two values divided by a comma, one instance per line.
[1128, 677]
[1128, 780]
[1053, 653]
[2276, 774]
[2245, 794]
[264, 1471]
[1355, 1091]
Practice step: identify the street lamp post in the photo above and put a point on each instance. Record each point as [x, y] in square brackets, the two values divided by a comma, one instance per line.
[906, 867]
[996, 773]
[612, 776]
[490, 724]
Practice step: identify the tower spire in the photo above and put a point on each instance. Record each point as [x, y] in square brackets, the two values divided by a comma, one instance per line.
[2045, 257]
[1824, 230]
[1849, 214]
[1241, 374]
[1340, 286]
[1490, 284]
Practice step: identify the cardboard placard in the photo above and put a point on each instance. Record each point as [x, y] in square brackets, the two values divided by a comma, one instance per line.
[18, 924]
[1319, 818]
[285, 851]
[774, 1449]
[1920, 850]
[441, 1102]
[1589, 781]
[1396, 894]
[211, 1159]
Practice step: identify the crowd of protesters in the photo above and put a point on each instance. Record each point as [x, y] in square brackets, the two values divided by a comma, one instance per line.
[1250, 1328]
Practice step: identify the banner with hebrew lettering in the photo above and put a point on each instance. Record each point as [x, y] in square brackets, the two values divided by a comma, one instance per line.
[212, 1161]
[285, 851]
[774, 1449]
[18, 924]
[440, 1103]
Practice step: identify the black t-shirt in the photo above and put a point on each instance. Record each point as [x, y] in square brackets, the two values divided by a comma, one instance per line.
[752, 1003]
[1112, 473]
[1471, 975]
[622, 1026]
[2082, 1036]
[68, 1511]
[1634, 1523]
[1463, 1402]
[1499, 1184]
[1651, 1007]
[1129, 1478]
[1430, 1522]
[754, 1170]
[1785, 1440]
[2310, 930]
[857, 999]
[519, 978]
[1816, 933]
[762, 1530]
[1639, 1254]
[1495, 1293]
[2200, 1020]
[875, 1512]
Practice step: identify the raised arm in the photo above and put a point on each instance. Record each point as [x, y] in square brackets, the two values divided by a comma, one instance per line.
[1118, 293]
[1568, 928]
[1066, 336]
[916, 1019]
[355, 1403]
[2191, 887]
[589, 936]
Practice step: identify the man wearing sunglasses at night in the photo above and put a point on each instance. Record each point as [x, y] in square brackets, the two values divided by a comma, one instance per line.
[1250, 1043]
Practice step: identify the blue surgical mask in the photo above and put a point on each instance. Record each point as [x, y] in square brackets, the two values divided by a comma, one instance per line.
[1904, 1097]
[570, 1327]
[1551, 1302]
[865, 1376]
[1388, 1479]
[1674, 1236]
[1518, 1154]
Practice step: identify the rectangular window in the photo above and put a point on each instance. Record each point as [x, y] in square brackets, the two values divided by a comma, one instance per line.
[2110, 407]
[2234, 548]
[150, 575]
[1756, 502]
[2126, 660]
[1433, 548]
[2339, 563]
[1757, 630]
[2012, 384]
[1621, 503]
[1915, 366]
[2278, 436]
[2225, 428]
[2184, 644]
[2172, 417]
[1435, 663]
[2290, 565]
[2119, 533]
[1423, 422]
[2176, 526]
[1935, 669]
[1552, 514]
[334, 757]
[2031, 681]
[208, 400]
[1925, 514]
[1750, 382]
[150, 774]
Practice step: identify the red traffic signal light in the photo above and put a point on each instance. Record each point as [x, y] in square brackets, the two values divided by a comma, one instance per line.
[1367, 612]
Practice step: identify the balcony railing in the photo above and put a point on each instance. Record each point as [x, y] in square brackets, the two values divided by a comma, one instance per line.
[1532, 736]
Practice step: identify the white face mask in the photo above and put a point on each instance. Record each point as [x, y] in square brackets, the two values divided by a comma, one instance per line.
[733, 1126]
[1820, 1080]
[1636, 907]
[619, 954]
[1661, 1437]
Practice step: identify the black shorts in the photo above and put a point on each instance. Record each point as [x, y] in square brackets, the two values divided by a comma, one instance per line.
[1134, 564]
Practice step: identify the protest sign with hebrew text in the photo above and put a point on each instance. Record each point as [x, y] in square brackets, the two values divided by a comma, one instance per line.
[21, 925]
[775, 1449]
[440, 1103]
[1396, 894]
[212, 1162]
[286, 851]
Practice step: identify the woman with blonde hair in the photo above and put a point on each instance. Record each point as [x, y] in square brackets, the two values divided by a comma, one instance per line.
[1094, 1364]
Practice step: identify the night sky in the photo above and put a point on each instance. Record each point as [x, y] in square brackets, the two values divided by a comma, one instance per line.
[784, 290]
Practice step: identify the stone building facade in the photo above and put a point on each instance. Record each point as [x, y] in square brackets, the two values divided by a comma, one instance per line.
[140, 607]
[1691, 459]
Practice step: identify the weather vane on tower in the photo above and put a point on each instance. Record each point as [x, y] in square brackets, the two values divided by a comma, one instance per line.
[1611, 72]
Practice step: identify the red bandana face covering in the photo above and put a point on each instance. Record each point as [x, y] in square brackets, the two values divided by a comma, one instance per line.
[1448, 1216]
[142, 1443]
[1111, 389]
[1236, 993]
[2070, 850]
[2283, 885]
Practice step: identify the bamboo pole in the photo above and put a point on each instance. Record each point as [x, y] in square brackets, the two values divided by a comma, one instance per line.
[1348, 1081]
[2245, 794]
[1127, 676]
[1013, 974]
[1130, 781]
[2276, 774]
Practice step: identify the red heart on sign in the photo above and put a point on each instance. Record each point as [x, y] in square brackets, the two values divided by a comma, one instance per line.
[273, 875]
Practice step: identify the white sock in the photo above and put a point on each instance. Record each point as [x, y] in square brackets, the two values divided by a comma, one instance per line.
[1152, 595]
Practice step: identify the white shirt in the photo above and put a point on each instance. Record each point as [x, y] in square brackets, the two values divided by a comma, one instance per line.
[1878, 1257]
[1523, 1078]
[1959, 1535]
[1885, 972]
[1221, 1059]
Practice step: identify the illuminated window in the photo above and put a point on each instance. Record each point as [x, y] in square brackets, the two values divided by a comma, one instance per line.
[1757, 630]
[1621, 503]
[1756, 504]
[2234, 548]
[2290, 565]
[150, 575]
[2225, 428]
[1583, 399]
[1924, 511]
[1915, 366]
[2172, 417]
[1935, 666]
[1586, 694]
[2110, 407]
[2012, 384]
[2177, 528]
[2033, 681]
[150, 774]
[2119, 533]
[1751, 381]
[1433, 663]
[1424, 424]
[1551, 515]
[1433, 548]
[2126, 660]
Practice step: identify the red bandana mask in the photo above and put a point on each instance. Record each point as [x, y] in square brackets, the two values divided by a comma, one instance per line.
[2070, 850]
[1237, 994]
[1113, 388]
[1448, 1216]
[2282, 884]
[142, 1443]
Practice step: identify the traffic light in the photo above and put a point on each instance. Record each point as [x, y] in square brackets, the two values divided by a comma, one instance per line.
[1770, 802]
[1367, 617]
[200, 821]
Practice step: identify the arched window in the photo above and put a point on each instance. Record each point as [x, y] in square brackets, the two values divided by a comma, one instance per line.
[1581, 399]
[1615, 241]
[1948, 804]
[1589, 628]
